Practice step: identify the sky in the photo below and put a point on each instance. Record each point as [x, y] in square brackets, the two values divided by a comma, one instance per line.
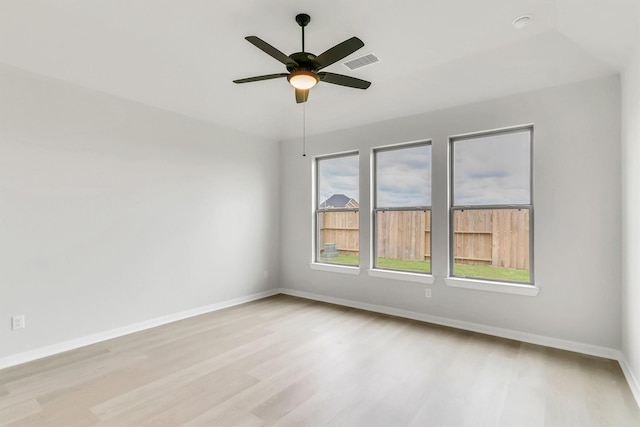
[338, 175]
[488, 170]
[403, 177]
[492, 170]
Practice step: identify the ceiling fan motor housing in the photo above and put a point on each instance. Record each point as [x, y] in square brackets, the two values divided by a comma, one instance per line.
[305, 60]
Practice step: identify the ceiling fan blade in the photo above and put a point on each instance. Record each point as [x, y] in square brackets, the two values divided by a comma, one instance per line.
[302, 95]
[342, 80]
[339, 51]
[258, 78]
[270, 50]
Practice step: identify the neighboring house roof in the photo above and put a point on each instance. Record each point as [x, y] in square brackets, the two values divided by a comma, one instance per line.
[339, 201]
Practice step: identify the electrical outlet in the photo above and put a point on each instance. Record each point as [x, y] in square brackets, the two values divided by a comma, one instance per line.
[427, 292]
[265, 274]
[18, 322]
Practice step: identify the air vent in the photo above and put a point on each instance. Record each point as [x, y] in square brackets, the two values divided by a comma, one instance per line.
[362, 61]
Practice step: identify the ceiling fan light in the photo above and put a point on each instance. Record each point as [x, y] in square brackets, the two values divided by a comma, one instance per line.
[303, 79]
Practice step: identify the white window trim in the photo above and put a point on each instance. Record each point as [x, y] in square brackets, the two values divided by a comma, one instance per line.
[492, 286]
[409, 276]
[335, 268]
[318, 265]
[402, 275]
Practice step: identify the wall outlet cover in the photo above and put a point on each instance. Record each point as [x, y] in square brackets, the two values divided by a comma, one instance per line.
[18, 322]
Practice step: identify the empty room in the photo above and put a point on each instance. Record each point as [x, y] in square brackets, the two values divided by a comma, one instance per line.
[296, 213]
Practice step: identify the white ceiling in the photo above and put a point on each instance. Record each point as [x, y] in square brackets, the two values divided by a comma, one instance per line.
[182, 55]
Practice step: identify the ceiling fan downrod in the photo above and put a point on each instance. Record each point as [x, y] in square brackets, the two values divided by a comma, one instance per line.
[303, 20]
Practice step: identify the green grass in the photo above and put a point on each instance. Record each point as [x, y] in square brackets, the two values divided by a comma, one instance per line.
[490, 272]
[400, 264]
[460, 270]
[343, 259]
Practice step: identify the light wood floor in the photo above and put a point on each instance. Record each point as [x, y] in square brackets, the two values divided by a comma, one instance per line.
[287, 361]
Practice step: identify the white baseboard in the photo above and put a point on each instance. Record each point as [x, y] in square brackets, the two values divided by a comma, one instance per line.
[50, 350]
[593, 350]
[633, 382]
[589, 349]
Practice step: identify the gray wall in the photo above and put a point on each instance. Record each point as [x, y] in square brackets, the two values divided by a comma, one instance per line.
[631, 218]
[113, 213]
[577, 224]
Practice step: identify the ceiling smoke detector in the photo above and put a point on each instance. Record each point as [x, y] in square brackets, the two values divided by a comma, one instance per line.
[521, 21]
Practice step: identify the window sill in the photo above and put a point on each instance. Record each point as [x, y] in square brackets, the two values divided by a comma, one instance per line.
[335, 268]
[483, 285]
[402, 275]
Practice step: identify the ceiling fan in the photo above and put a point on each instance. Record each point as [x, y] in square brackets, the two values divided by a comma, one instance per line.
[304, 67]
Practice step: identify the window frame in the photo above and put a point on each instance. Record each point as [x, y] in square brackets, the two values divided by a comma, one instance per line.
[453, 208]
[375, 270]
[317, 262]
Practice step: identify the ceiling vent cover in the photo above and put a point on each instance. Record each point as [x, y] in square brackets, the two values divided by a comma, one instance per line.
[362, 61]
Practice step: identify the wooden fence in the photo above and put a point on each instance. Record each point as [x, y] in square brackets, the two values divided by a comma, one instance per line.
[404, 235]
[498, 237]
[341, 228]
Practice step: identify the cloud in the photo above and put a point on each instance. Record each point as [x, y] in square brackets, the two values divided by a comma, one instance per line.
[489, 174]
[338, 175]
[403, 177]
[492, 170]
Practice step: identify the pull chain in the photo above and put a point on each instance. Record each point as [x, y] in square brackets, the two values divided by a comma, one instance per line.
[304, 129]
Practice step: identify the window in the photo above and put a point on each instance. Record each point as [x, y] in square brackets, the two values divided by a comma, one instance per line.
[491, 206]
[402, 208]
[337, 214]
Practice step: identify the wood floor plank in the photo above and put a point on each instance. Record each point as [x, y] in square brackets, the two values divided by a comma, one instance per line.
[287, 361]
[48, 363]
[80, 372]
[18, 411]
[180, 402]
[169, 381]
[524, 404]
[58, 418]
